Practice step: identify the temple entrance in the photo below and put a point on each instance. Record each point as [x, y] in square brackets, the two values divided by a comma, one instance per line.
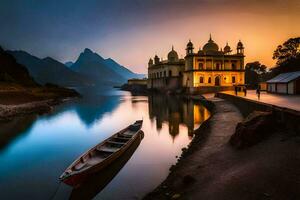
[217, 81]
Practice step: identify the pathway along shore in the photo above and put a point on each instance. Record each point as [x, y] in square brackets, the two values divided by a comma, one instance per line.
[212, 169]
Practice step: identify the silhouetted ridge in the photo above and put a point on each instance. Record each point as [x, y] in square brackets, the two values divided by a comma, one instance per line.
[94, 66]
[121, 70]
[49, 70]
[11, 72]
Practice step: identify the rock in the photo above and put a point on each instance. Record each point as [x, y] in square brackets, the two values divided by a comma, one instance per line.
[176, 196]
[256, 127]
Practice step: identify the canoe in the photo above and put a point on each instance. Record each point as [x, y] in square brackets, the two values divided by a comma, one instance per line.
[102, 155]
[98, 181]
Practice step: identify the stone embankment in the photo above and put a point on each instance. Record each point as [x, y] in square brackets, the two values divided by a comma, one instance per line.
[284, 116]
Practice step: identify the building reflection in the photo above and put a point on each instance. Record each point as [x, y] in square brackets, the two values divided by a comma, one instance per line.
[176, 111]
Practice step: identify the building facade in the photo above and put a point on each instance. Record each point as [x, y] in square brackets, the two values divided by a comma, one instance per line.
[286, 83]
[166, 74]
[208, 70]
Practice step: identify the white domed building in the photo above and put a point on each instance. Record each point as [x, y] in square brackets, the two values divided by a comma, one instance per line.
[166, 74]
[211, 69]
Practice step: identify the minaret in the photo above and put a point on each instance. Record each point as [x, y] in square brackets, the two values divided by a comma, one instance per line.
[189, 48]
[150, 63]
[240, 48]
[156, 60]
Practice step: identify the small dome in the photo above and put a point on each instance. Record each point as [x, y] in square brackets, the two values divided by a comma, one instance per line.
[190, 44]
[210, 46]
[227, 48]
[172, 55]
[240, 44]
[150, 61]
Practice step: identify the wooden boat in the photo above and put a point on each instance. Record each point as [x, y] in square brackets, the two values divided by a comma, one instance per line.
[102, 155]
[98, 181]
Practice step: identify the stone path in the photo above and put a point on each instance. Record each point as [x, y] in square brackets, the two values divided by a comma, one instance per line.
[287, 101]
[222, 126]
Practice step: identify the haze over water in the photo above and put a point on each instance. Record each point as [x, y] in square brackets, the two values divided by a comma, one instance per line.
[35, 152]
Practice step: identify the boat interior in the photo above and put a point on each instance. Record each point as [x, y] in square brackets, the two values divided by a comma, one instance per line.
[105, 149]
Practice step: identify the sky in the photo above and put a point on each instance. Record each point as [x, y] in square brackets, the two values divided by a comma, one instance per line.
[132, 31]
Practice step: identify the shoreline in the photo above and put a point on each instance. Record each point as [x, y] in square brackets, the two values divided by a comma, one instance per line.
[163, 190]
[9, 112]
[17, 100]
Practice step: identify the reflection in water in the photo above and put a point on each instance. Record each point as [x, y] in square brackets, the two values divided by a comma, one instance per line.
[99, 180]
[12, 129]
[176, 110]
[40, 149]
[92, 109]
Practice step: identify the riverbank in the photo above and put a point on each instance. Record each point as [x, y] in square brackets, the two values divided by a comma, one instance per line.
[212, 169]
[16, 100]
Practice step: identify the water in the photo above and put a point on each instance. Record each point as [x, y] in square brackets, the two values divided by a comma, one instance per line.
[35, 151]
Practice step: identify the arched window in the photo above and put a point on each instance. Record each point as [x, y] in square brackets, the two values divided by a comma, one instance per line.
[217, 81]
[209, 79]
[201, 79]
[170, 73]
[160, 74]
[165, 74]
[157, 75]
[218, 66]
[180, 73]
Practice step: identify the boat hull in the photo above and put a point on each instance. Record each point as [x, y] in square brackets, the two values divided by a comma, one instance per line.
[77, 179]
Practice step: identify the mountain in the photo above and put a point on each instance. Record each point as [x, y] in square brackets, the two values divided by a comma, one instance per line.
[69, 63]
[93, 65]
[12, 72]
[48, 70]
[121, 70]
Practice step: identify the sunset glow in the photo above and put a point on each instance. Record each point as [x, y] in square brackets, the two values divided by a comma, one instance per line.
[137, 30]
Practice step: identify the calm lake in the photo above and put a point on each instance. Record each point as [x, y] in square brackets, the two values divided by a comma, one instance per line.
[35, 151]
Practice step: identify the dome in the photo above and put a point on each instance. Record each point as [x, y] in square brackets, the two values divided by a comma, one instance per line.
[240, 44]
[190, 44]
[227, 48]
[150, 61]
[172, 55]
[210, 46]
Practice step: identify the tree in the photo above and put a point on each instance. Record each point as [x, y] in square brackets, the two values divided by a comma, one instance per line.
[255, 73]
[290, 49]
[287, 56]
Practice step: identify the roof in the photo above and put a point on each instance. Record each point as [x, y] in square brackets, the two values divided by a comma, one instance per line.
[285, 77]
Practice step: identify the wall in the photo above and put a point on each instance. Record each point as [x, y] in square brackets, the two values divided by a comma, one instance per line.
[282, 88]
[137, 81]
[291, 88]
[169, 83]
[208, 89]
[284, 116]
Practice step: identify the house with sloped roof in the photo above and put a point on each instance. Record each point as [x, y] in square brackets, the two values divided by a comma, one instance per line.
[285, 83]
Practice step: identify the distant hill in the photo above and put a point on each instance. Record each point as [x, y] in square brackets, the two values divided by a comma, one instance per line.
[69, 63]
[48, 70]
[121, 70]
[12, 72]
[93, 65]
